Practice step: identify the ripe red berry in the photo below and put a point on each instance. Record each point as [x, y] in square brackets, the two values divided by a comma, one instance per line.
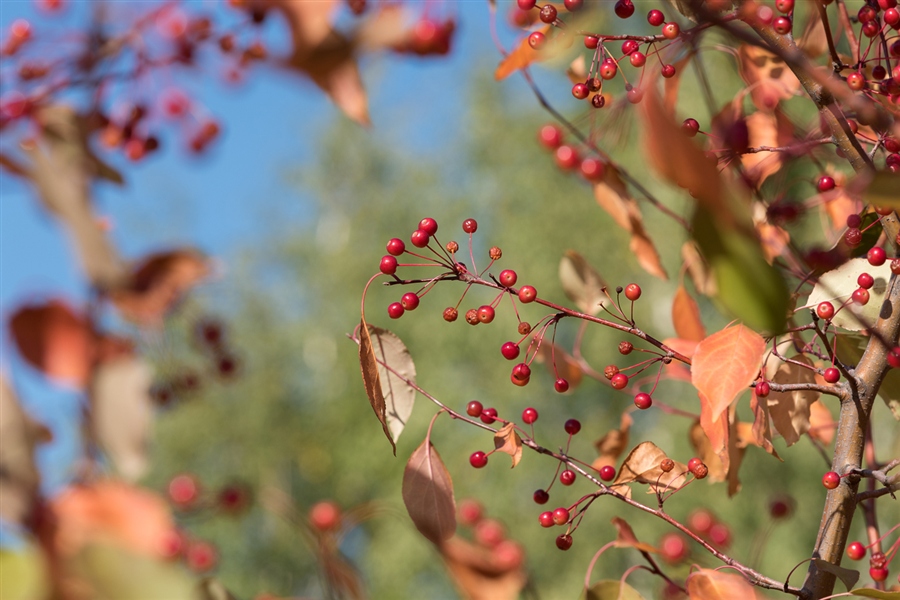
[450, 314]
[396, 247]
[853, 237]
[529, 415]
[643, 401]
[409, 301]
[762, 389]
[637, 59]
[395, 310]
[567, 477]
[607, 473]
[474, 408]
[629, 46]
[580, 91]
[325, 516]
[865, 281]
[561, 516]
[673, 547]
[508, 277]
[656, 18]
[619, 381]
[564, 542]
[856, 551]
[701, 521]
[420, 238]
[537, 40]
[825, 183]
[693, 463]
[486, 313]
[878, 574]
[831, 480]
[488, 415]
[470, 512]
[861, 296]
[471, 225]
[521, 372]
[566, 157]
[593, 169]
[632, 291]
[550, 137]
[478, 459]
[548, 13]
[184, 490]
[876, 256]
[825, 310]
[671, 30]
[572, 5]
[895, 266]
[893, 357]
[856, 81]
[719, 534]
[489, 532]
[428, 225]
[526, 4]
[527, 294]
[781, 507]
[831, 375]
[573, 426]
[561, 385]
[546, 518]
[541, 497]
[201, 557]
[854, 221]
[608, 69]
[782, 25]
[624, 8]
[784, 6]
[591, 42]
[509, 350]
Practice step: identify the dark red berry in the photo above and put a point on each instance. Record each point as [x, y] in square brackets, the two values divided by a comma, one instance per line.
[608, 69]
[395, 247]
[450, 314]
[567, 477]
[784, 6]
[876, 256]
[690, 127]
[474, 409]
[509, 350]
[561, 385]
[895, 266]
[573, 5]
[529, 416]
[893, 357]
[541, 497]
[607, 473]
[825, 183]
[619, 381]
[428, 225]
[865, 281]
[478, 459]
[831, 480]
[409, 301]
[782, 25]
[395, 310]
[878, 573]
[546, 518]
[537, 40]
[781, 507]
[573, 426]
[521, 371]
[420, 238]
[629, 46]
[526, 4]
[656, 18]
[388, 265]
[488, 415]
[548, 13]
[643, 401]
[624, 8]
[471, 225]
[831, 375]
[564, 542]
[853, 237]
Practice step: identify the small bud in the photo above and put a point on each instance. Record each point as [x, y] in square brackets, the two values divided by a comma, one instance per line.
[495, 253]
[452, 247]
[610, 371]
[472, 317]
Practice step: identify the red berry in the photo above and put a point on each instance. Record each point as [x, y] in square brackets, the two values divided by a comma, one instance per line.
[853, 237]
[471, 225]
[701, 521]
[784, 6]
[719, 534]
[526, 4]
[184, 490]
[693, 464]
[486, 314]
[409, 301]
[893, 357]
[572, 5]
[608, 69]
[573, 426]
[895, 266]
[509, 350]
[474, 408]
[541, 497]
[637, 59]
[876, 256]
[428, 225]
[580, 91]
[567, 477]
[854, 221]
[546, 518]
[607, 473]
[624, 8]
[782, 507]
[619, 381]
[878, 574]
[831, 480]
[856, 81]
[508, 277]
[450, 314]
[831, 375]
[521, 372]
[629, 46]
[233, 499]
[564, 542]
[420, 238]
[673, 547]
[527, 294]
[489, 532]
[537, 40]
[591, 42]
[668, 71]
[865, 281]
[395, 310]
[548, 13]
[825, 183]
[201, 557]
[593, 169]
[478, 459]
[488, 415]
[325, 516]
[782, 25]
[856, 551]
[825, 310]
[632, 291]
[892, 18]
[656, 18]
[643, 401]
[396, 247]
[566, 156]
[529, 415]
[561, 385]
[561, 516]
[861, 296]
[671, 30]
[470, 512]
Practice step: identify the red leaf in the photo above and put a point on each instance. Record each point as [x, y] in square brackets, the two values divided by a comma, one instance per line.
[428, 494]
[686, 316]
[56, 340]
[707, 584]
[724, 365]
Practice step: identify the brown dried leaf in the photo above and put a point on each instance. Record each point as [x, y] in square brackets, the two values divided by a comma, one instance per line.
[521, 57]
[506, 440]
[709, 584]
[566, 366]
[158, 283]
[55, 339]
[813, 40]
[705, 452]
[767, 76]
[19, 477]
[372, 380]
[625, 537]
[672, 84]
[642, 466]
[821, 423]
[761, 430]
[480, 573]
[582, 283]
[428, 494]
[686, 316]
[772, 129]
[399, 396]
[611, 446]
[698, 269]
[122, 413]
[790, 410]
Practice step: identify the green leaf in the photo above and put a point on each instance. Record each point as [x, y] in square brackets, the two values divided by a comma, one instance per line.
[882, 190]
[749, 288]
[23, 575]
[848, 577]
[116, 574]
[870, 593]
[612, 589]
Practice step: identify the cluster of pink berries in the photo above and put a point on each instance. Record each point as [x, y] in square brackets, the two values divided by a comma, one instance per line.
[506, 554]
[567, 156]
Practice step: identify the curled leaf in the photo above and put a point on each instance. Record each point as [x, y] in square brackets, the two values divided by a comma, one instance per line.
[790, 410]
[625, 537]
[55, 339]
[642, 466]
[725, 364]
[399, 395]
[582, 284]
[506, 440]
[372, 380]
[428, 494]
[686, 316]
[709, 584]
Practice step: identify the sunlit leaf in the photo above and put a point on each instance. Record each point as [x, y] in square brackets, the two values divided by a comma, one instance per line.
[19, 477]
[838, 285]
[717, 432]
[428, 494]
[790, 410]
[708, 584]
[582, 283]
[611, 446]
[506, 440]
[848, 577]
[642, 466]
[725, 364]
[882, 190]
[372, 380]
[821, 422]
[625, 537]
[54, 338]
[399, 395]
[686, 316]
[612, 589]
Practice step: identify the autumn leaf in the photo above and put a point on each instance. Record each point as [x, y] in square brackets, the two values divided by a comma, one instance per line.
[774, 240]
[611, 446]
[708, 584]
[481, 573]
[873, 593]
[838, 285]
[790, 410]
[565, 365]
[612, 589]
[372, 380]
[725, 364]
[428, 494]
[716, 432]
[882, 190]
[672, 84]
[642, 466]
[768, 78]
[399, 395]
[813, 40]
[625, 537]
[55, 339]
[521, 57]
[686, 316]
[582, 284]
[771, 129]
[821, 423]
[697, 267]
[506, 440]
[761, 428]
[704, 451]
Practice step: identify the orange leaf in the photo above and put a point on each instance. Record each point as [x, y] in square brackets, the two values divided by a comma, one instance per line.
[428, 494]
[774, 240]
[625, 537]
[790, 410]
[766, 129]
[821, 423]
[611, 446]
[686, 347]
[767, 76]
[704, 452]
[56, 340]
[708, 584]
[506, 440]
[671, 84]
[521, 57]
[716, 432]
[725, 364]
[372, 380]
[698, 269]
[686, 316]
[485, 573]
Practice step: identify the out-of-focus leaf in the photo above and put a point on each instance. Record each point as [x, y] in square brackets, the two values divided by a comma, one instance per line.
[158, 283]
[790, 410]
[62, 169]
[612, 589]
[708, 584]
[704, 451]
[725, 364]
[686, 347]
[372, 380]
[506, 440]
[14, 167]
[882, 190]
[399, 396]
[566, 365]
[122, 413]
[625, 537]
[716, 431]
[772, 129]
[522, 56]
[850, 349]
[698, 269]
[582, 283]
[761, 429]
[112, 573]
[428, 494]
[813, 40]
[19, 477]
[767, 76]
[672, 84]
[56, 340]
[23, 574]
[873, 593]
[747, 286]
[686, 316]
[480, 573]
[611, 446]
[642, 466]
[838, 285]
[821, 422]
[774, 240]
[212, 589]
[848, 577]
